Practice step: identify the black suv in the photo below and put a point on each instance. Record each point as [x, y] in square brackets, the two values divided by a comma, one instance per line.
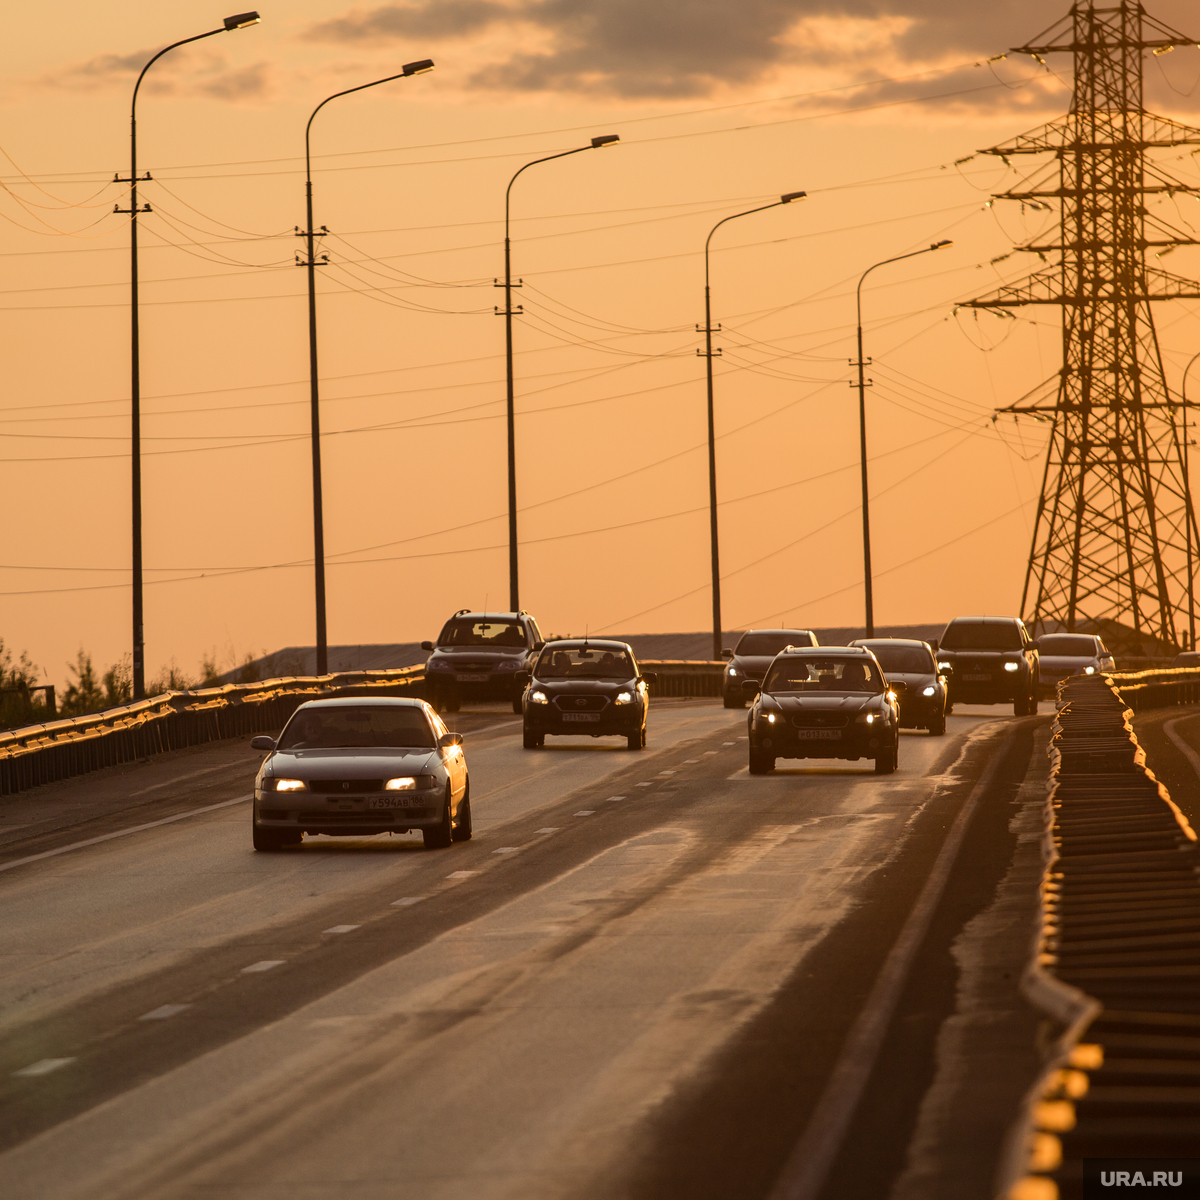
[478, 657]
[990, 660]
[755, 651]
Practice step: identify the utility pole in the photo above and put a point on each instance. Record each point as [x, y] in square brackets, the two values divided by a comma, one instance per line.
[1115, 529]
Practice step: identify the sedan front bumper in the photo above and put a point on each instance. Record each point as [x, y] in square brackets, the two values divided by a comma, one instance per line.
[851, 741]
[339, 815]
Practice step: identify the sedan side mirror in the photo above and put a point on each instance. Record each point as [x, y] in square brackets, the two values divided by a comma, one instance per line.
[727, 653]
[649, 676]
[426, 645]
[262, 742]
[899, 686]
[450, 739]
[522, 678]
[751, 687]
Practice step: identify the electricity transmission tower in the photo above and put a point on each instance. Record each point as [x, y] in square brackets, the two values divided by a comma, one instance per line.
[1115, 534]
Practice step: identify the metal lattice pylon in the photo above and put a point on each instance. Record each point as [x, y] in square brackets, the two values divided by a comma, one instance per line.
[1115, 534]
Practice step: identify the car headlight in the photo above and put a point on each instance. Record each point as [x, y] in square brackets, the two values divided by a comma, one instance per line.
[539, 698]
[624, 698]
[508, 665]
[1012, 666]
[1089, 670]
[866, 718]
[439, 664]
[943, 666]
[929, 691]
[733, 670]
[284, 785]
[403, 783]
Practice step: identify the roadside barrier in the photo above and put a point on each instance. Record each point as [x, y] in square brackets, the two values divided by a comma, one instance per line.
[1117, 961]
[39, 754]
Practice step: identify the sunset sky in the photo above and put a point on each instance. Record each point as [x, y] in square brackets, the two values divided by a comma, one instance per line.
[876, 108]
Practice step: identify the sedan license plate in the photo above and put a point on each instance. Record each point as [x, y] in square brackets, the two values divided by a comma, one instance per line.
[823, 734]
[581, 716]
[394, 801]
[471, 678]
[977, 679]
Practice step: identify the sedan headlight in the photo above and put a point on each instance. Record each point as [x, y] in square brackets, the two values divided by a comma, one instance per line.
[1012, 666]
[943, 666]
[403, 783]
[733, 670]
[929, 691]
[1089, 670]
[539, 698]
[439, 664]
[284, 785]
[509, 664]
[624, 698]
[867, 718]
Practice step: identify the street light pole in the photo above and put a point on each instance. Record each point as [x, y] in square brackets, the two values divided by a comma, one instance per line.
[310, 263]
[240, 21]
[863, 384]
[514, 599]
[708, 353]
[1190, 517]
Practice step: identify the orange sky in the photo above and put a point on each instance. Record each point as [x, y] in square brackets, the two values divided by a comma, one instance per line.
[715, 114]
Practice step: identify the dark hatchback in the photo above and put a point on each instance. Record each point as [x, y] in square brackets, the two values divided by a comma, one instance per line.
[826, 702]
[478, 656]
[586, 687]
[753, 654]
[911, 672]
[990, 660]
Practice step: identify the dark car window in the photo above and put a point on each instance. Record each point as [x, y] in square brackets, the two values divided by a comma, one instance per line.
[463, 631]
[796, 673]
[982, 635]
[581, 662]
[914, 660]
[767, 645]
[1071, 645]
[360, 726]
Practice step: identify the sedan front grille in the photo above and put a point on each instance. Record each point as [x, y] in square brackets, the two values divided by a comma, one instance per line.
[348, 787]
[805, 720]
[581, 703]
[388, 816]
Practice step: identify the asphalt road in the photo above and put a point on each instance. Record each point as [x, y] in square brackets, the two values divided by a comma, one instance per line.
[648, 975]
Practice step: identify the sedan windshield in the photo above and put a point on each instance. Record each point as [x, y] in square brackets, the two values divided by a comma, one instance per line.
[796, 673]
[981, 635]
[913, 660]
[767, 645]
[1067, 645]
[584, 662]
[464, 631]
[364, 725]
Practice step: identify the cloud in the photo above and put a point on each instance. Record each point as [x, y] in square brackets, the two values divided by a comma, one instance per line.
[691, 48]
[244, 83]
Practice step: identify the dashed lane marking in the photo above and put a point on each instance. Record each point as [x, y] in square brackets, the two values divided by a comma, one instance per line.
[690, 762]
[547, 829]
[643, 785]
[613, 799]
[506, 850]
[339, 929]
[666, 772]
[42, 1067]
[586, 812]
[265, 965]
[405, 901]
[461, 874]
[163, 1012]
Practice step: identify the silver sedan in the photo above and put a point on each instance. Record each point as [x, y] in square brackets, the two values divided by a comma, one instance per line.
[358, 767]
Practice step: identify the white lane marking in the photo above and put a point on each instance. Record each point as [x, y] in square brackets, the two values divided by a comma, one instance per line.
[708, 752]
[405, 901]
[180, 779]
[163, 1012]
[461, 874]
[613, 799]
[507, 850]
[666, 772]
[340, 928]
[43, 1067]
[643, 785]
[265, 965]
[586, 812]
[729, 743]
[807, 1167]
[1181, 745]
[108, 837]
[690, 762]
[548, 829]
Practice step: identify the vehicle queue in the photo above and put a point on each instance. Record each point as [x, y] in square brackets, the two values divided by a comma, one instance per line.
[358, 767]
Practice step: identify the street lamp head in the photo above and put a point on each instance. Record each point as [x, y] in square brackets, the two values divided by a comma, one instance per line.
[607, 139]
[788, 197]
[241, 20]
[939, 245]
[417, 68]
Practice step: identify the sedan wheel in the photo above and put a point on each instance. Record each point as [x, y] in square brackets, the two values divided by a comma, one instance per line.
[887, 761]
[462, 827]
[439, 836]
[761, 763]
[937, 727]
[531, 740]
[637, 741]
[273, 839]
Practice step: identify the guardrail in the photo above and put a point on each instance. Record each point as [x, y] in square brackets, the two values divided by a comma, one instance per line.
[1117, 959]
[39, 754]
[1158, 687]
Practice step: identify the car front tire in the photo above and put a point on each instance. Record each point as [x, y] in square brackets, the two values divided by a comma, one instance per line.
[937, 727]
[761, 763]
[441, 835]
[269, 840]
[531, 740]
[887, 761]
[462, 827]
